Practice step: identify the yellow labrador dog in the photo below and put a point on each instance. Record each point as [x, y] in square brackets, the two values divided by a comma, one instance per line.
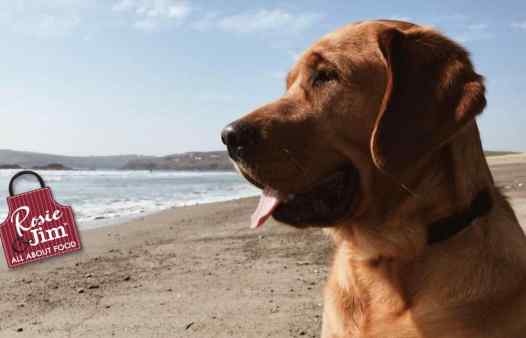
[375, 139]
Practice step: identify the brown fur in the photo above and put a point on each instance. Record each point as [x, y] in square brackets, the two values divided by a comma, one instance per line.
[401, 109]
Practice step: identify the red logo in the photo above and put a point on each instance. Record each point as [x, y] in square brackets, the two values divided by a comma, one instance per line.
[36, 226]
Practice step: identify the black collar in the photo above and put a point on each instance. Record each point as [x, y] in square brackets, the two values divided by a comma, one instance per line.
[447, 227]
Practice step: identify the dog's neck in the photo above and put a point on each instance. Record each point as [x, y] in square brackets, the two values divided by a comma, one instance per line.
[397, 261]
[445, 228]
[465, 189]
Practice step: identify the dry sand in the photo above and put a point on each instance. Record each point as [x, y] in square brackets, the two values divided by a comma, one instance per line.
[186, 272]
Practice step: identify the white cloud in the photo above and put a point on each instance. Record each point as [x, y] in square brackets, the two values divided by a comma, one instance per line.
[53, 18]
[170, 9]
[56, 18]
[519, 24]
[151, 15]
[264, 20]
[275, 20]
[461, 27]
[475, 32]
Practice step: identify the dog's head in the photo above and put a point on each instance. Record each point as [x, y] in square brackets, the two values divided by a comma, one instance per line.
[363, 108]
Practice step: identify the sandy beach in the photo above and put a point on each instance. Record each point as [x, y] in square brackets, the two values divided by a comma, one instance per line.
[194, 271]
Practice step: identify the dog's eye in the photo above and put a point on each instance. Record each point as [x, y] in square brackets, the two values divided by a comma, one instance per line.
[323, 76]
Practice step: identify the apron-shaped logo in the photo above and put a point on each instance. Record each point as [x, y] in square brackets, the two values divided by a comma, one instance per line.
[36, 226]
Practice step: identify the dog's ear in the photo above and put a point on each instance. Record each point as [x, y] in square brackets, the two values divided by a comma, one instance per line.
[432, 92]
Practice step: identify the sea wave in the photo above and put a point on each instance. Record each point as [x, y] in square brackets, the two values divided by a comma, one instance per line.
[110, 196]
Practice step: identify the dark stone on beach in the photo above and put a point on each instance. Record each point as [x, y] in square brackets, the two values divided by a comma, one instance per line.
[94, 286]
[189, 325]
[99, 218]
[20, 329]
[126, 278]
[80, 290]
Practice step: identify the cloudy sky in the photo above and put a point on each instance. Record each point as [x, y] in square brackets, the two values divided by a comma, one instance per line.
[86, 77]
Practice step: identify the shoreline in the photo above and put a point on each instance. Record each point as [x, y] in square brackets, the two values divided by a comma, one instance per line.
[127, 229]
[136, 194]
[122, 220]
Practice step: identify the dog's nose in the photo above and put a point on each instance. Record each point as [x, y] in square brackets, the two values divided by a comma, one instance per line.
[238, 137]
[228, 135]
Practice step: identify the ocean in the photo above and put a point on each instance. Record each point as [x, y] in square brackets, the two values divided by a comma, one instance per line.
[104, 197]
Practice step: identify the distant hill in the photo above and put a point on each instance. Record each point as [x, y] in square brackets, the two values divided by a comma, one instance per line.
[212, 160]
[27, 159]
[500, 153]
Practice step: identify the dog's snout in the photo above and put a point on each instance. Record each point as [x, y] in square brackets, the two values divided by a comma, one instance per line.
[238, 137]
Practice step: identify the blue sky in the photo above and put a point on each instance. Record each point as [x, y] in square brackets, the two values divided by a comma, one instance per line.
[98, 77]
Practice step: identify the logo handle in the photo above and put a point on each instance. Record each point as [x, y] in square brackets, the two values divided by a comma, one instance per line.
[25, 172]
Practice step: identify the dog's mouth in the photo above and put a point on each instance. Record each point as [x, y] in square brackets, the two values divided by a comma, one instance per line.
[326, 202]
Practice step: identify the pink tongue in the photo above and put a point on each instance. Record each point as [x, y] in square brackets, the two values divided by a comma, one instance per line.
[268, 201]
